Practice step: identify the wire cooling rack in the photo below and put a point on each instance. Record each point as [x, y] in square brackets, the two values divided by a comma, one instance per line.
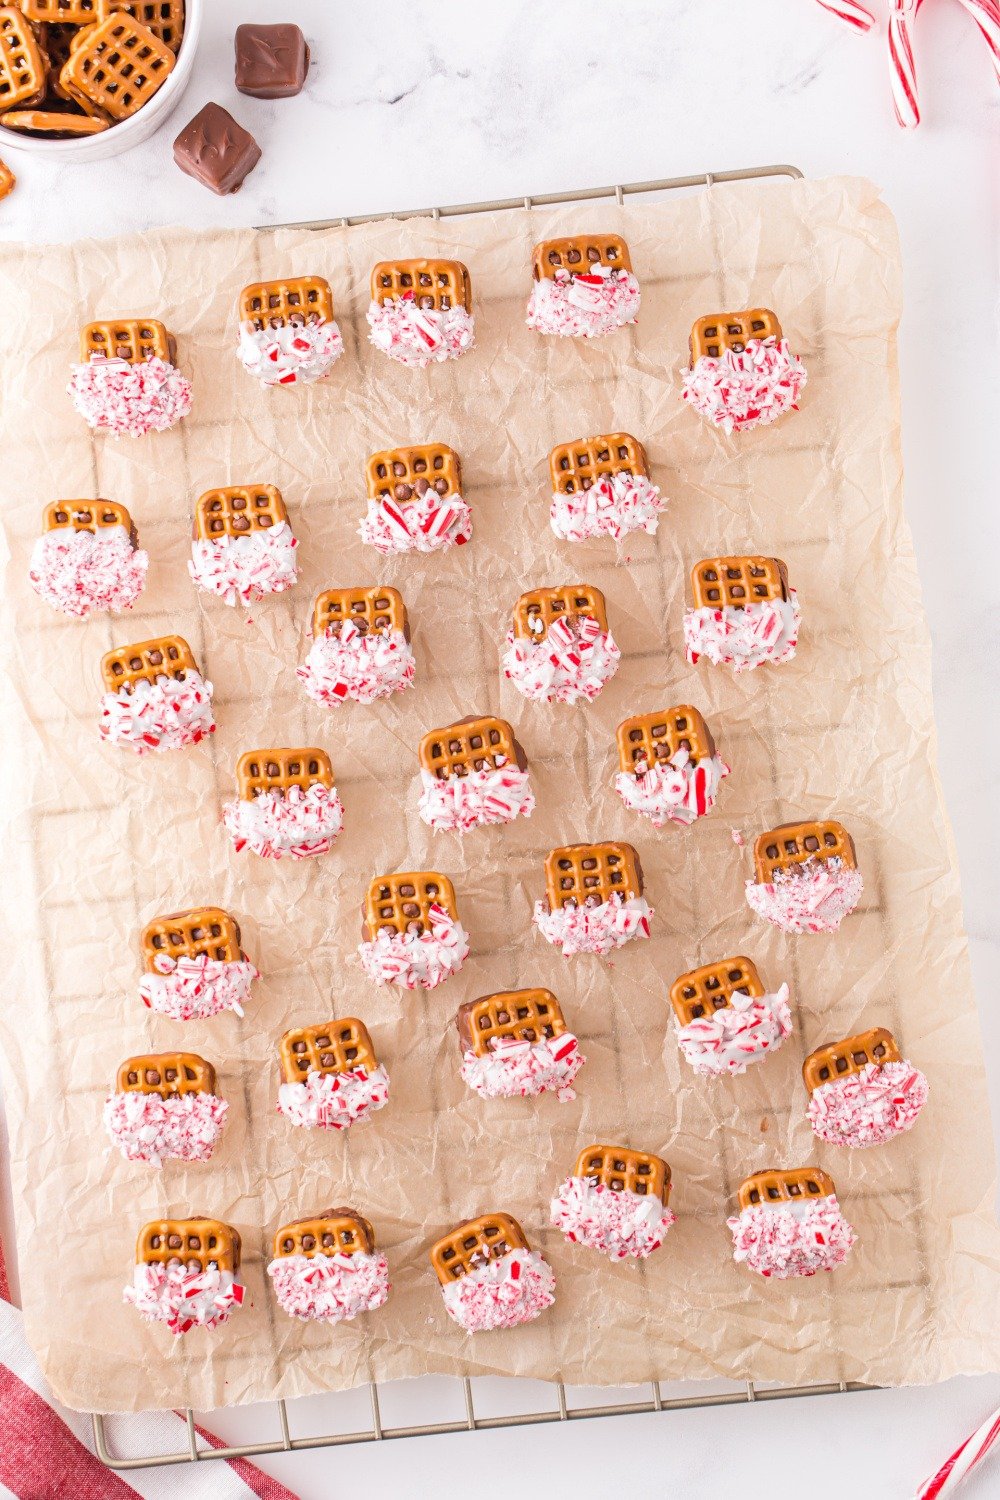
[563, 1409]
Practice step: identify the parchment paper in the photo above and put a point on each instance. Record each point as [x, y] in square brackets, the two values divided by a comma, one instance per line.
[100, 841]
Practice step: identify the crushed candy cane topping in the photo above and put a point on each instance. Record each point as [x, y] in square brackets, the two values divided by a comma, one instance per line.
[194, 988]
[291, 354]
[184, 1298]
[574, 661]
[163, 715]
[334, 1101]
[743, 638]
[815, 899]
[417, 960]
[738, 391]
[615, 1223]
[419, 336]
[497, 794]
[870, 1107]
[333, 1288]
[342, 663]
[586, 305]
[144, 1127]
[675, 791]
[614, 505]
[502, 1293]
[784, 1240]
[426, 524]
[86, 573]
[298, 824]
[594, 929]
[245, 568]
[129, 400]
[745, 1031]
[516, 1069]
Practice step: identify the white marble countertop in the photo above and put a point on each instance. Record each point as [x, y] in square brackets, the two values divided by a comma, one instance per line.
[417, 102]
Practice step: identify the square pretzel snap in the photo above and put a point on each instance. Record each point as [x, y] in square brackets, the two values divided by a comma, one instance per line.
[339, 1046]
[735, 582]
[537, 610]
[703, 991]
[791, 845]
[238, 510]
[578, 875]
[333, 1231]
[166, 1074]
[713, 335]
[402, 903]
[433, 284]
[278, 770]
[522, 1015]
[573, 467]
[647, 740]
[118, 66]
[579, 254]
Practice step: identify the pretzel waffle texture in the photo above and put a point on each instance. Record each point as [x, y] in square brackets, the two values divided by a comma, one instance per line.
[811, 743]
[86, 515]
[198, 1239]
[338, 1046]
[474, 1243]
[536, 610]
[238, 510]
[117, 67]
[146, 661]
[333, 1231]
[625, 1171]
[839, 1059]
[69, 12]
[405, 474]
[373, 611]
[717, 332]
[711, 987]
[274, 304]
[166, 1074]
[164, 18]
[472, 744]
[22, 67]
[574, 466]
[791, 1185]
[204, 931]
[579, 253]
[785, 848]
[650, 739]
[437, 284]
[525, 1015]
[402, 903]
[735, 582]
[576, 874]
[131, 339]
[279, 769]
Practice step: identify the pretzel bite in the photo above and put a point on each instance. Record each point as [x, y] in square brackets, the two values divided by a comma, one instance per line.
[742, 373]
[126, 382]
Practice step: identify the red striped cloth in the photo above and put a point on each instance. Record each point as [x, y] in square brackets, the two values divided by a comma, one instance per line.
[45, 1452]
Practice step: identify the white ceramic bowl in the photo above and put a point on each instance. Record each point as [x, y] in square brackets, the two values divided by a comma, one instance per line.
[128, 133]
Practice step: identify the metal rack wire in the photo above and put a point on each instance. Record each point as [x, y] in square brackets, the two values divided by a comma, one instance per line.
[563, 1410]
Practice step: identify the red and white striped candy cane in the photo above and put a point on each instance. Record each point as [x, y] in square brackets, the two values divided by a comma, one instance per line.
[850, 11]
[903, 73]
[950, 1475]
[986, 14]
